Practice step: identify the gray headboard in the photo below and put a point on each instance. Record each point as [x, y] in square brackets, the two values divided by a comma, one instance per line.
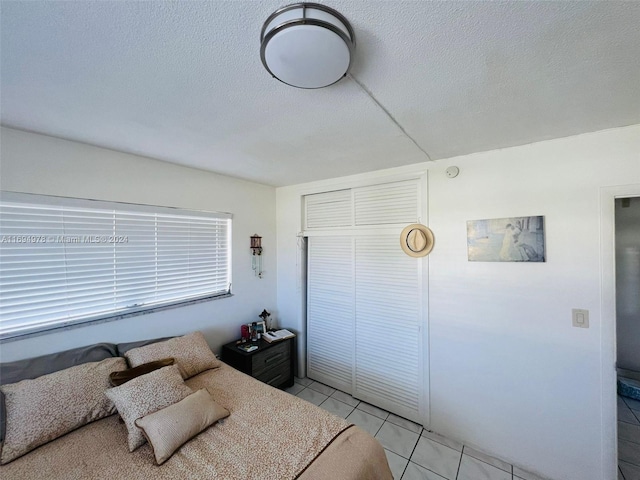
[12, 372]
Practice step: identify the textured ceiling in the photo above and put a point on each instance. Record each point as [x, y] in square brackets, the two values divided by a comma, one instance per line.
[182, 81]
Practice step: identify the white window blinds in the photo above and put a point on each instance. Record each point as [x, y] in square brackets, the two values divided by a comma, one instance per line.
[67, 261]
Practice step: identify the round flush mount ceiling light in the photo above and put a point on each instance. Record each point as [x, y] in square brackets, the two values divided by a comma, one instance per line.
[307, 45]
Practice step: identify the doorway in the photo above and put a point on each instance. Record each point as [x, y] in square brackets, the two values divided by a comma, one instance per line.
[615, 434]
[627, 266]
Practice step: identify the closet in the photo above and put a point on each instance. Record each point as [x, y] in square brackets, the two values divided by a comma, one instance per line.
[366, 299]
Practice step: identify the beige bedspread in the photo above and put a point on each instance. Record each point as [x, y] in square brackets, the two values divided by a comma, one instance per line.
[354, 454]
[269, 435]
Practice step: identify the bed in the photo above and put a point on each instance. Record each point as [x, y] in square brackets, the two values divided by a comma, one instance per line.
[269, 434]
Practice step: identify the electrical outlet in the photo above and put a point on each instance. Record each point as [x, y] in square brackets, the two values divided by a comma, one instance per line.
[580, 318]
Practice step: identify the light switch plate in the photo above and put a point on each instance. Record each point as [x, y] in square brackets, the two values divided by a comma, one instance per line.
[580, 318]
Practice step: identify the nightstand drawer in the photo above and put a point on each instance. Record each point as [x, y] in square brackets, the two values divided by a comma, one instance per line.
[277, 375]
[270, 358]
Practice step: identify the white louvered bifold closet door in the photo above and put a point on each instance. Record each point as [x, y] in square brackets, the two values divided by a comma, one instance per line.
[364, 295]
[388, 316]
[330, 313]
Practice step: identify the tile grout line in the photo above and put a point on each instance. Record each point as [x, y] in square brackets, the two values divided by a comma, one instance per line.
[635, 413]
[621, 473]
[411, 455]
[442, 442]
[630, 463]
[460, 462]
[373, 415]
[629, 423]
[383, 422]
[331, 396]
[427, 468]
[353, 406]
[635, 442]
[488, 456]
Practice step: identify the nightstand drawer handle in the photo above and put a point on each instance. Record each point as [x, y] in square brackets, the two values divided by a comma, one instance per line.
[273, 380]
[272, 358]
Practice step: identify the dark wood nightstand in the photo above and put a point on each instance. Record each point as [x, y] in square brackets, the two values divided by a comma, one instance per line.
[271, 363]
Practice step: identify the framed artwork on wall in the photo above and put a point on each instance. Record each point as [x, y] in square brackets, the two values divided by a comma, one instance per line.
[515, 239]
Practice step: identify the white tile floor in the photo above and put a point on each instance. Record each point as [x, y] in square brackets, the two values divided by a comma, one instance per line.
[628, 439]
[417, 454]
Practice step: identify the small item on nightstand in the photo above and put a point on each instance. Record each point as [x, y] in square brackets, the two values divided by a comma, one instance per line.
[257, 329]
[265, 318]
[246, 347]
[246, 336]
[278, 335]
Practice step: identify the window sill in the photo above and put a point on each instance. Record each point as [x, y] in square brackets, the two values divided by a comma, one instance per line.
[108, 318]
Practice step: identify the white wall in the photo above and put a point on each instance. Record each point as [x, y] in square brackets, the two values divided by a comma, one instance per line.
[628, 284]
[508, 372]
[39, 164]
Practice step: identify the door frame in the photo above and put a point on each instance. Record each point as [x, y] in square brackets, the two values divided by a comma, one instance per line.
[608, 346]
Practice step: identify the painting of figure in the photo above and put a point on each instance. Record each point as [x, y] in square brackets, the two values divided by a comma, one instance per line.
[518, 239]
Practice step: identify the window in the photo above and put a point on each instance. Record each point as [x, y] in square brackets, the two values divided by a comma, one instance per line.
[66, 261]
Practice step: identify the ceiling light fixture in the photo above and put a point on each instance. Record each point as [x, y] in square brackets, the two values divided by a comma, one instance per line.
[307, 45]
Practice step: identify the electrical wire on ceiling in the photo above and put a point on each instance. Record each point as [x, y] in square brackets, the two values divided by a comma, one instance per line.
[387, 113]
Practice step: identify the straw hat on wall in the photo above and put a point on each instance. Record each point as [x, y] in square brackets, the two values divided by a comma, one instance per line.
[416, 240]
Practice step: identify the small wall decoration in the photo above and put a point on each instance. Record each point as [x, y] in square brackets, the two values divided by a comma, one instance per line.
[256, 258]
[517, 239]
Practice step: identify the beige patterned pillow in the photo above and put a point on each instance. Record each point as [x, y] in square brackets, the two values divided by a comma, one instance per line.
[147, 394]
[170, 428]
[49, 406]
[191, 353]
